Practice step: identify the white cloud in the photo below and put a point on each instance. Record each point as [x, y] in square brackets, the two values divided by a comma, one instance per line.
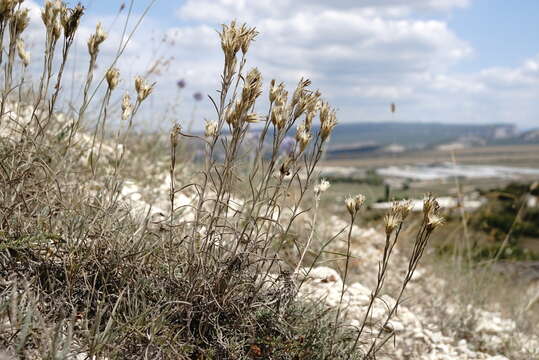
[362, 54]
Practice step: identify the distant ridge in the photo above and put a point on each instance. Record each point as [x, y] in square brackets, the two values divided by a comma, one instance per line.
[414, 135]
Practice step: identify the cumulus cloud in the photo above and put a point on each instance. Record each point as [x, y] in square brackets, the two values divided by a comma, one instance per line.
[361, 54]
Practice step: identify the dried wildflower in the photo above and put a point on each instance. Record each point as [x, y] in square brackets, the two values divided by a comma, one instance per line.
[434, 221]
[278, 117]
[6, 8]
[350, 205]
[328, 120]
[143, 88]
[404, 209]
[390, 223]
[322, 187]
[211, 128]
[113, 77]
[231, 116]
[96, 39]
[360, 200]
[23, 54]
[50, 13]
[302, 137]
[298, 93]
[273, 92]
[393, 218]
[431, 215]
[71, 19]
[430, 205]
[21, 20]
[247, 35]
[354, 204]
[127, 108]
[230, 43]
[285, 166]
[174, 135]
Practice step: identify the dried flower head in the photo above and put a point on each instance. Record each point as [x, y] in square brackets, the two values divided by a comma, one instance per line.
[211, 128]
[71, 19]
[174, 135]
[285, 167]
[23, 54]
[247, 35]
[431, 210]
[322, 187]
[278, 117]
[354, 204]
[302, 137]
[391, 222]
[51, 12]
[127, 108]
[96, 39]
[350, 205]
[298, 93]
[6, 8]
[113, 77]
[21, 20]
[404, 208]
[143, 88]
[328, 120]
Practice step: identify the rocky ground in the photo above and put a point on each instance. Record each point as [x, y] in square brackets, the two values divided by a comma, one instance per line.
[429, 326]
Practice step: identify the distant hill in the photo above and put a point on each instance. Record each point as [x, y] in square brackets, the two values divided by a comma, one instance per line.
[413, 135]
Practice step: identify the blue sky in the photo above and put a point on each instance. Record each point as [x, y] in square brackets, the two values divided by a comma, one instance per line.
[460, 61]
[502, 32]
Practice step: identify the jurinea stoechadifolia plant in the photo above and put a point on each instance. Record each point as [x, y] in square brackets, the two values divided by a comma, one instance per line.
[250, 232]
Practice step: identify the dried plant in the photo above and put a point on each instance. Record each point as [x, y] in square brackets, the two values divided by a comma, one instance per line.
[88, 276]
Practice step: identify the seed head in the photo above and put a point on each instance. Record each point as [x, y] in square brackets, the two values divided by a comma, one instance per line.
[50, 13]
[298, 93]
[127, 108]
[71, 19]
[322, 187]
[247, 35]
[22, 19]
[96, 39]
[404, 209]
[434, 221]
[430, 205]
[302, 137]
[353, 204]
[230, 43]
[6, 8]
[350, 205]
[231, 116]
[285, 166]
[113, 77]
[252, 89]
[327, 126]
[143, 88]
[23, 54]
[391, 222]
[431, 210]
[211, 128]
[278, 117]
[174, 135]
